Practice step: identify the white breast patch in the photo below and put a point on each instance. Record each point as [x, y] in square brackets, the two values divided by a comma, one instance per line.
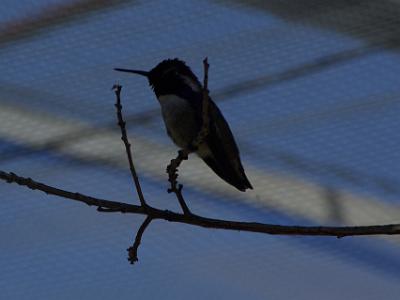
[179, 118]
[172, 105]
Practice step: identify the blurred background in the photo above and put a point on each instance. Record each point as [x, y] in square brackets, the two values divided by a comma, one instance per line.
[311, 89]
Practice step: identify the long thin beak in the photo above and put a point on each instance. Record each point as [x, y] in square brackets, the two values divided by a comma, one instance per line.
[143, 73]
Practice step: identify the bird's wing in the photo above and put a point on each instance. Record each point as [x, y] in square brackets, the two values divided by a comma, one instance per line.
[223, 155]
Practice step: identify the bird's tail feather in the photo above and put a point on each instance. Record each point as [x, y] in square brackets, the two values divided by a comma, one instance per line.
[236, 178]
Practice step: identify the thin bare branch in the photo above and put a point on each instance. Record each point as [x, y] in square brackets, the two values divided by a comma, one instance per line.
[205, 104]
[133, 251]
[91, 201]
[117, 89]
[206, 100]
[154, 213]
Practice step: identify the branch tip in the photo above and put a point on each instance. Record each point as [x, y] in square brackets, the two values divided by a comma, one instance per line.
[133, 250]
[117, 88]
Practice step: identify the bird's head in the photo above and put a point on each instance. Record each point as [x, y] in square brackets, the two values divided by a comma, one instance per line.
[169, 77]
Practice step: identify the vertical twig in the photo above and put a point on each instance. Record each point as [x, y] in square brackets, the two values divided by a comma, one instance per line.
[117, 89]
[205, 111]
[133, 257]
[206, 100]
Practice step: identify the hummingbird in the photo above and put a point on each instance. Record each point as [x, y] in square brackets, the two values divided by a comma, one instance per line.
[180, 95]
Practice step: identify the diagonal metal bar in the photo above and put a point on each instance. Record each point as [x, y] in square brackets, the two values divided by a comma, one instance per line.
[51, 16]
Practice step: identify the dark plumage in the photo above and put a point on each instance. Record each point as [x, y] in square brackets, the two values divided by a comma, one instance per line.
[180, 95]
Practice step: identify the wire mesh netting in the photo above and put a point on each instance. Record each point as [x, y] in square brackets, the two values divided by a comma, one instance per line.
[311, 90]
